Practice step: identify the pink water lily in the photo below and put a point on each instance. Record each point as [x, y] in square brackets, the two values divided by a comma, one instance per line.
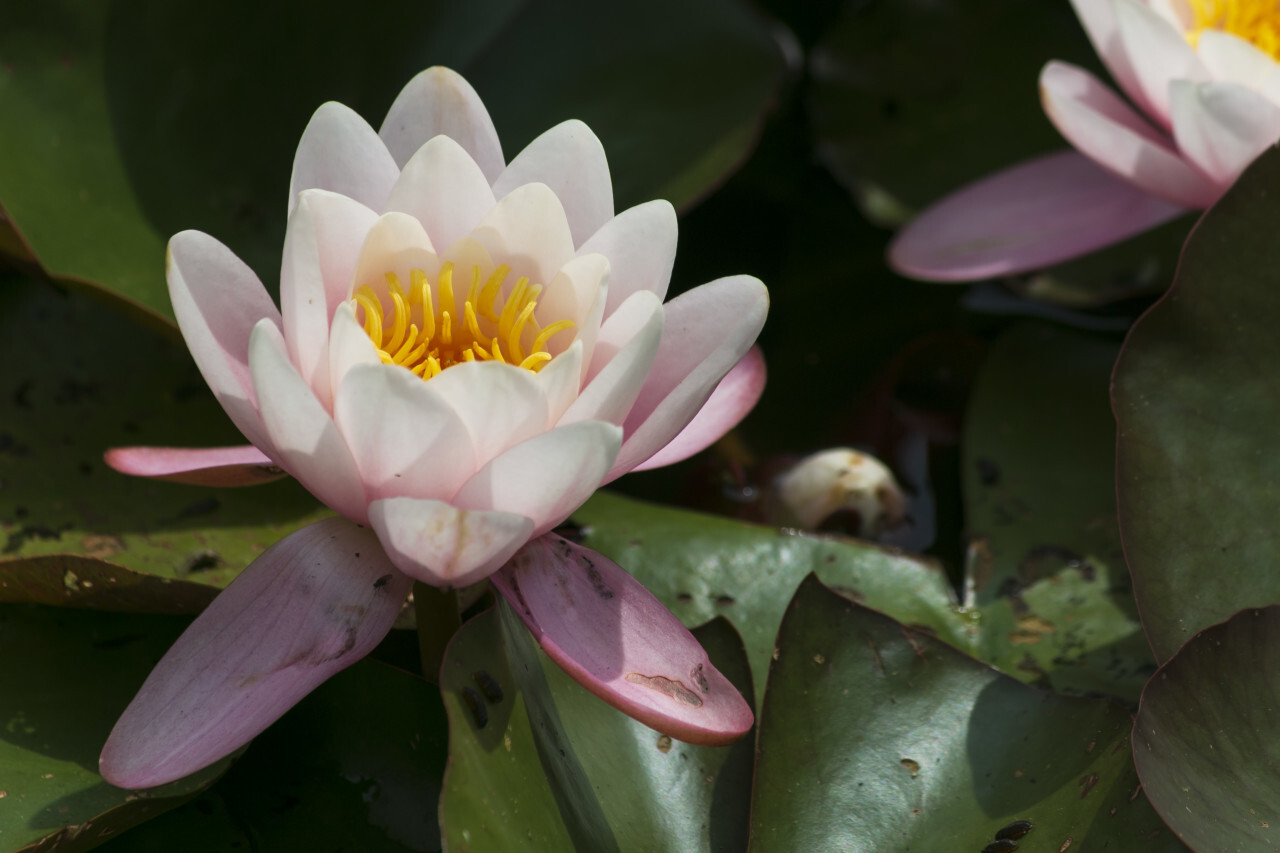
[1205, 74]
[465, 349]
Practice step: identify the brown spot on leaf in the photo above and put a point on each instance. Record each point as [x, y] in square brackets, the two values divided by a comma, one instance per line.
[912, 765]
[667, 687]
[1087, 783]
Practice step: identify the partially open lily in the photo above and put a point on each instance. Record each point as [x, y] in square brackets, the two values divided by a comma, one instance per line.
[1205, 72]
[465, 350]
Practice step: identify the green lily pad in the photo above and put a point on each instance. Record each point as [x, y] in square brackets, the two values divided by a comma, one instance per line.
[543, 772]
[107, 383]
[1045, 564]
[67, 675]
[128, 122]
[1204, 737]
[1198, 488]
[874, 736]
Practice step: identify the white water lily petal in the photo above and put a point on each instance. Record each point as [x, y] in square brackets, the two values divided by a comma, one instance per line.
[500, 405]
[339, 151]
[444, 189]
[570, 160]
[640, 244]
[1100, 125]
[349, 345]
[527, 229]
[396, 243]
[217, 300]
[406, 440]
[439, 102]
[625, 353]
[706, 332]
[560, 381]
[1159, 53]
[546, 477]
[1222, 127]
[577, 292]
[1099, 20]
[442, 545]
[1231, 59]
[320, 247]
[307, 442]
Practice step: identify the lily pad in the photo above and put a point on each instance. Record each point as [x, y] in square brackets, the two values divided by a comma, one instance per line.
[547, 731]
[67, 675]
[127, 122]
[107, 383]
[1204, 737]
[1196, 404]
[1045, 564]
[874, 736]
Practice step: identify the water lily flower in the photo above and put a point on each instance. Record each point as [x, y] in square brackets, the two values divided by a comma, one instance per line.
[1205, 74]
[465, 349]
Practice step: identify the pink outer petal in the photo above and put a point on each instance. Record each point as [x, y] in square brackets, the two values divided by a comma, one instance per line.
[706, 332]
[445, 546]
[736, 395]
[1099, 20]
[1101, 126]
[640, 244]
[1032, 215]
[569, 159]
[1222, 127]
[217, 300]
[1159, 53]
[618, 641]
[197, 466]
[438, 101]
[311, 605]
[340, 152]
[546, 477]
[307, 442]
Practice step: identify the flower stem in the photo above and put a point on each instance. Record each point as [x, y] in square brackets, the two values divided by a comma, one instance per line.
[438, 619]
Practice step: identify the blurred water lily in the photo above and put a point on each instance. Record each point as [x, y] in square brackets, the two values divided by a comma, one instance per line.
[1204, 72]
[464, 351]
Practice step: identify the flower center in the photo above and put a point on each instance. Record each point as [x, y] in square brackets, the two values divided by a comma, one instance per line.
[426, 332]
[1256, 21]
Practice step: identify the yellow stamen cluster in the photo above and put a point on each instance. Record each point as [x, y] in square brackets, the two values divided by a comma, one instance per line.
[1256, 21]
[422, 329]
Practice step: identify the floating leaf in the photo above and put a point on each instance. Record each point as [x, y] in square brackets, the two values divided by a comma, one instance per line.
[1204, 738]
[1196, 403]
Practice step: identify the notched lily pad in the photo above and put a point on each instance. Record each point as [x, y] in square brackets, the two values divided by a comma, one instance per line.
[1204, 739]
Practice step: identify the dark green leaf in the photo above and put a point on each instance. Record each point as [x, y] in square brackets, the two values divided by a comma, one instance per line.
[1204, 738]
[877, 737]
[1197, 406]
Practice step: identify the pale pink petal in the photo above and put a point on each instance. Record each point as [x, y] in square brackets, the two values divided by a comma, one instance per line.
[442, 545]
[577, 292]
[1231, 59]
[1175, 12]
[640, 244]
[340, 152]
[307, 442]
[438, 101]
[197, 466]
[617, 640]
[705, 333]
[349, 345]
[546, 477]
[1032, 215]
[736, 395]
[560, 380]
[396, 243]
[1100, 125]
[1099, 20]
[311, 605]
[321, 245]
[623, 356]
[1222, 127]
[444, 188]
[500, 405]
[1159, 53]
[407, 441]
[217, 300]
[527, 230]
[570, 160]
